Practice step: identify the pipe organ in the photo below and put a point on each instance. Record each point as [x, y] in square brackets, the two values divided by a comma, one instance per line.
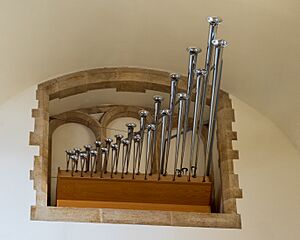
[132, 170]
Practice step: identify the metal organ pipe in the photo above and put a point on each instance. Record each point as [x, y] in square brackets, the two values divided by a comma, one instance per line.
[219, 45]
[96, 160]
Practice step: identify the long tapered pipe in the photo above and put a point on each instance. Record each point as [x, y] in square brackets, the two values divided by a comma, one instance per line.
[83, 162]
[125, 144]
[150, 131]
[136, 150]
[108, 142]
[143, 117]
[118, 142]
[98, 146]
[69, 153]
[193, 53]
[200, 74]
[130, 134]
[219, 46]
[182, 98]
[93, 161]
[157, 105]
[104, 153]
[74, 163]
[88, 159]
[173, 91]
[213, 27]
[77, 152]
[164, 115]
[114, 149]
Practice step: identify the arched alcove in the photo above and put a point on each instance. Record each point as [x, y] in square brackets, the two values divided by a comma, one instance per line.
[130, 80]
[65, 136]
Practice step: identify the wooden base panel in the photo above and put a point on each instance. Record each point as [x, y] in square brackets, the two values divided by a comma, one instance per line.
[135, 206]
[127, 193]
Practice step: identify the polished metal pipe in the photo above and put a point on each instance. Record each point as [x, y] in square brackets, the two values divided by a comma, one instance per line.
[77, 152]
[115, 150]
[218, 62]
[108, 142]
[104, 152]
[69, 153]
[173, 91]
[74, 163]
[150, 131]
[213, 26]
[157, 106]
[136, 150]
[118, 142]
[182, 98]
[143, 117]
[83, 161]
[130, 134]
[88, 148]
[164, 115]
[193, 54]
[200, 74]
[93, 161]
[125, 143]
[98, 146]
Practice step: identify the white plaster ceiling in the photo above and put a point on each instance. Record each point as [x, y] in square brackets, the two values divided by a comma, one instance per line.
[43, 39]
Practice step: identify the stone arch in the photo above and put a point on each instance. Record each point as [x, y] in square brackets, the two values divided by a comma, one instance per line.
[75, 117]
[130, 80]
[119, 112]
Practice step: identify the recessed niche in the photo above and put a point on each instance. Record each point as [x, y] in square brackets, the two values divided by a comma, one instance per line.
[86, 98]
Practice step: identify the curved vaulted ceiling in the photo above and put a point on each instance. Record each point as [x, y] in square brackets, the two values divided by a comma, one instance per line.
[43, 39]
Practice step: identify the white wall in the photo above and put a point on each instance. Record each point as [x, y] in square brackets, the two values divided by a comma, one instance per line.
[268, 168]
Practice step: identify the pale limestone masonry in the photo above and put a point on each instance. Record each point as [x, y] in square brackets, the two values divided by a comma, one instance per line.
[130, 80]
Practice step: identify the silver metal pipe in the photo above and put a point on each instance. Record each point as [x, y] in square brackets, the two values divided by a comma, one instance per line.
[182, 98]
[200, 73]
[87, 149]
[93, 161]
[74, 162]
[104, 152]
[83, 161]
[130, 128]
[118, 142]
[173, 91]
[164, 115]
[157, 106]
[136, 150]
[150, 131]
[77, 152]
[213, 26]
[125, 143]
[193, 53]
[69, 153]
[219, 46]
[98, 146]
[108, 142]
[143, 117]
[115, 150]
